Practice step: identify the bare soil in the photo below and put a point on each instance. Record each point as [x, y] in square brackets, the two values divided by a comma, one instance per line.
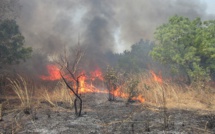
[101, 116]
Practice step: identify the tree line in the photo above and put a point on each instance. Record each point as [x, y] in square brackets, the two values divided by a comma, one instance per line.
[12, 49]
[185, 46]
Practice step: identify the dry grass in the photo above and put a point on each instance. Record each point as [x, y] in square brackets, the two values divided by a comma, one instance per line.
[59, 94]
[29, 102]
[163, 95]
[176, 96]
[167, 95]
[22, 90]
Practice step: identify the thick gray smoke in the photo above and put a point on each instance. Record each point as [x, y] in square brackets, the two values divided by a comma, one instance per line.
[101, 25]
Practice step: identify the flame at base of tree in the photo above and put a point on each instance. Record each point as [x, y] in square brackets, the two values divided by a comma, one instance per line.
[54, 74]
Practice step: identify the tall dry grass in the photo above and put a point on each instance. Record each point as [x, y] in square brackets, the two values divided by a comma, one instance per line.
[23, 90]
[59, 94]
[193, 96]
[27, 93]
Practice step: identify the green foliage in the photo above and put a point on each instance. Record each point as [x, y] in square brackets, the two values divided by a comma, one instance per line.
[136, 59]
[187, 45]
[11, 44]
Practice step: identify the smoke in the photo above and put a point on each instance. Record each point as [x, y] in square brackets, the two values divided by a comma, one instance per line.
[49, 24]
[101, 25]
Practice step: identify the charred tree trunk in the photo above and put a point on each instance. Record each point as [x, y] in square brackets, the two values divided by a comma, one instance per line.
[77, 96]
[75, 105]
[80, 108]
[110, 91]
[78, 112]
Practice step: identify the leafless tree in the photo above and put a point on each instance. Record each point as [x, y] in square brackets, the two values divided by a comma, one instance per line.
[71, 75]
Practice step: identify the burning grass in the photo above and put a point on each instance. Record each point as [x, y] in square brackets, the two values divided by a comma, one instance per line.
[87, 86]
[145, 87]
[160, 96]
[154, 89]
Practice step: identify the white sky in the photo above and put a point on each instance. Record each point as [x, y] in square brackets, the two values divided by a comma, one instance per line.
[211, 6]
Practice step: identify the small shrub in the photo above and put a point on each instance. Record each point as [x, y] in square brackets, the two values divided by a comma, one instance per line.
[111, 80]
[132, 90]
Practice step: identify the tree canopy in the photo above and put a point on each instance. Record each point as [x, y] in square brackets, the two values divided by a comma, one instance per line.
[11, 43]
[187, 45]
[138, 58]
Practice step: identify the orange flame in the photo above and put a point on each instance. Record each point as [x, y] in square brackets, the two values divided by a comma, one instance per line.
[97, 74]
[54, 74]
[118, 93]
[139, 98]
[156, 78]
[82, 83]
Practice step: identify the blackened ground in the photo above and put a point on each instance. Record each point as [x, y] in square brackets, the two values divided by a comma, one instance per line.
[103, 117]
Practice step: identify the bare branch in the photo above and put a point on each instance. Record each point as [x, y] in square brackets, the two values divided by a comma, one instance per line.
[79, 55]
[71, 70]
[73, 91]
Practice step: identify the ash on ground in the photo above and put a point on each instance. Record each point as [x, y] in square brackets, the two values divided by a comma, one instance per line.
[101, 116]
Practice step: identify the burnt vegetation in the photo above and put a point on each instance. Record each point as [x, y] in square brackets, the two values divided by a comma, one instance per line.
[70, 70]
[111, 80]
[49, 85]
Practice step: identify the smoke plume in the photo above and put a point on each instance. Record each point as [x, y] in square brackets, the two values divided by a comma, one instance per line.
[101, 25]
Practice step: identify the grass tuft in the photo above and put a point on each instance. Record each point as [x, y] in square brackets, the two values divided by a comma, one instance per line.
[22, 90]
[60, 94]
